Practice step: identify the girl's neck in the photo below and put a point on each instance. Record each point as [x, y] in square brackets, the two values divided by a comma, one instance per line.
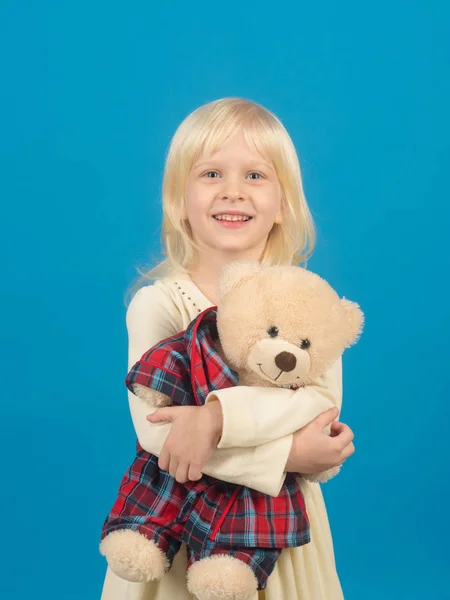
[206, 278]
[206, 272]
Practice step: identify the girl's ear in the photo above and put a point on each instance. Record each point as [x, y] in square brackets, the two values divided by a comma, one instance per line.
[279, 215]
[236, 272]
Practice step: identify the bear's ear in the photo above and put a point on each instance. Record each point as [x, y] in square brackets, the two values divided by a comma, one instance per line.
[235, 272]
[355, 321]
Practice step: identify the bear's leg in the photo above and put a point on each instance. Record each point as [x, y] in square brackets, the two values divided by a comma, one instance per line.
[229, 574]
[135, 557]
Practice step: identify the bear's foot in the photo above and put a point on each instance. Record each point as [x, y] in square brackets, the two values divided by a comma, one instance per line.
[221, 577]
[134, 557]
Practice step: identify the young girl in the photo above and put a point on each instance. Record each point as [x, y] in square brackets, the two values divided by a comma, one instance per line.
[232, 190]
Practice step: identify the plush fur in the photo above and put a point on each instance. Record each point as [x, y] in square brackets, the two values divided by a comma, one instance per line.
[221, 577]
[134, 557]
[300, 304]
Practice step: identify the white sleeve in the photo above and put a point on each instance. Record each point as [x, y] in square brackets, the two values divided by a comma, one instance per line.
[261, 468]
[257, 415]
[150, 318]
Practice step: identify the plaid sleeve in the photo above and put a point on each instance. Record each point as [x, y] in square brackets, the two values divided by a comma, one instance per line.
[163, 370]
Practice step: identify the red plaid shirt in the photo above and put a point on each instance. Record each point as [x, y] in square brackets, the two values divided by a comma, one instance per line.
[186, 367]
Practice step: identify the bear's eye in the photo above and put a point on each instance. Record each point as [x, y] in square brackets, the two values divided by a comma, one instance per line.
[273, 331]
[305, 344]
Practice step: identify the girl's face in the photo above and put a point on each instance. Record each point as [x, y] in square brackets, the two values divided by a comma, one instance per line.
[232, 200]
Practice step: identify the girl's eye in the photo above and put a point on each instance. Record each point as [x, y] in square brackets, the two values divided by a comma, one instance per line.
[258, 175]
[208, 174]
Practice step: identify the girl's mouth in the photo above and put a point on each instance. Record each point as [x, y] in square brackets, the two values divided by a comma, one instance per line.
[232, 221]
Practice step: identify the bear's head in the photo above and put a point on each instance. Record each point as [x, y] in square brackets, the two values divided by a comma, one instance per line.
[284, 324]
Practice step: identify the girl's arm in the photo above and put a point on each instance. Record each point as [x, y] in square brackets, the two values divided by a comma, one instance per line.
[257, 415]
[262, 468]
[150, 318]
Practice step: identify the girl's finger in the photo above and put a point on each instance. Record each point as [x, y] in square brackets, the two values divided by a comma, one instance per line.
[345, 439]
[182, 472]
[327, 417]
[164, 460]
[348, 451]
[162, 414]
[194, 474]
[337, 427]
[173, 467]
[344, 436]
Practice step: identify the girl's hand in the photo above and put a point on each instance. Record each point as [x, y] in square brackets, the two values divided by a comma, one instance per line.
[194, 435]
[314, 451]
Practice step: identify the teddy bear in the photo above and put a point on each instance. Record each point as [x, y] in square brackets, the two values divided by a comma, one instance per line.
[279, 326]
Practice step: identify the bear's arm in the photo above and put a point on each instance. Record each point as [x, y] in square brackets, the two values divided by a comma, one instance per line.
[160, 377]
[257, 415]
[151, 317]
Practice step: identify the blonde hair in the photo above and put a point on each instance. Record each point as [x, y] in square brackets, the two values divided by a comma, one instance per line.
[206, 130]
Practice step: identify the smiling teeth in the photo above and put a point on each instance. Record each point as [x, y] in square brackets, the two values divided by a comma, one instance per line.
[231, 218]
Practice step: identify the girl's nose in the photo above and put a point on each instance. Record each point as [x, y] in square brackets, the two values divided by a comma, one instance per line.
[232, 189]
[233, 196]
[232, 193]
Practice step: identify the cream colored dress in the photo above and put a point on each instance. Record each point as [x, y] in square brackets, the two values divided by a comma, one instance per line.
[304, 573]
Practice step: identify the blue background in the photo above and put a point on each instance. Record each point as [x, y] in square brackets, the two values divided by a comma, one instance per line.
[91, 95]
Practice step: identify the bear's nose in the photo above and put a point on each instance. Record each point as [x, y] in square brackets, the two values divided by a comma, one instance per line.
[286, 361]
